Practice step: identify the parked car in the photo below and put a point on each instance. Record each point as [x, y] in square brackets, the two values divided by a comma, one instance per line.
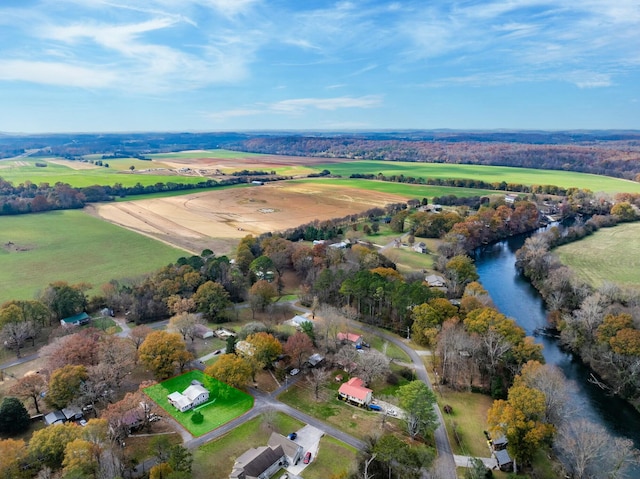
[293, 436]
[307, 457]
[375, 407]
[392, 412]
[294, 371]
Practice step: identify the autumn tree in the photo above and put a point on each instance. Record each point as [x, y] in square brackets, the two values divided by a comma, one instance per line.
[211, 299]
[261, 295]
[80, 348]
[47, 445]
[552, 383]
[459, 272]
[80, 459]
[161, 352]
[14, 417]
[298, 347]
[232, 370]
[13, 456]
[134, 410]
[266, 348]
[64, 385]
[418, 402]
[521, 419]
[30, 386]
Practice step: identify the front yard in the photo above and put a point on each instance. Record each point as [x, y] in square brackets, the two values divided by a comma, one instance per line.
[225, 403]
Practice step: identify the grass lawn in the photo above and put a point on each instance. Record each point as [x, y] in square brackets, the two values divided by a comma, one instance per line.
[465, 425]
[226, 403]
[353, 420]
[215, 459]
[490, 174]
[610, 254]
[325, 465]
[75, 247]
[408, 260]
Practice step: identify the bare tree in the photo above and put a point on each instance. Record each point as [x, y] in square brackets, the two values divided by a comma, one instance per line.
[588, 451]
[317, 379]
[15, 334]
[185, 324]
[372, 364]
[347, 357]
[139, 334]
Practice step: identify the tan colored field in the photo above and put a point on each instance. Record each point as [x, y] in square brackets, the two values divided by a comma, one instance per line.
[218, 219]
[74, 165]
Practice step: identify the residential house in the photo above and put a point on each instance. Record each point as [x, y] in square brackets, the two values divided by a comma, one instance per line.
[291, 449]
[344, 338]
[259, 463]
[435, 281]
[354, 391]
[340, 245]
[203, 332]
[420, 247]
[191, 397]
[75, 320]
[298, 319]
[510, 199]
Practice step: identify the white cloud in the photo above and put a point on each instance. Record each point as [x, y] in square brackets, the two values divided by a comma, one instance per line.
[53, 73]
[300, 104]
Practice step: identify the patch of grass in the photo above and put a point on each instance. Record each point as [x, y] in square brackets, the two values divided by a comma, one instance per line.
[215, 459]
[490, 174]
[226, 403]
[326, 465]
[408, 260]
[465, 425]
[610, 254]
[75, 247]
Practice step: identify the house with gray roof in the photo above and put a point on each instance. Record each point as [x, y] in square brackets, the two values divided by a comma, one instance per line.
[259, 463]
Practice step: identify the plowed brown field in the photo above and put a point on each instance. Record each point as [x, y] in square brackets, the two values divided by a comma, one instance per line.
[218, 219]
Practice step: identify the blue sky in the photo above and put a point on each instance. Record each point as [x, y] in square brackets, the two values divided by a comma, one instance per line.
[120, 65]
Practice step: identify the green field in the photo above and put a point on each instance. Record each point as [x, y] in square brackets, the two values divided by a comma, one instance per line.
[71, 246]
[95, 176]
[225, 403]
[404, 189]
[610, 254]
[490, 174]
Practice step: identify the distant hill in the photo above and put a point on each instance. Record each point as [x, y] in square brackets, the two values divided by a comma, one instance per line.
[608, 152]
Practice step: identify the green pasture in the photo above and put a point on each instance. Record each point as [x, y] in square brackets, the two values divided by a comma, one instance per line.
[404, 189]
[490, 174]
[408, 260]
[610, 254]
[74, 247]
[225, 404]
[53, 174]
[215, 459]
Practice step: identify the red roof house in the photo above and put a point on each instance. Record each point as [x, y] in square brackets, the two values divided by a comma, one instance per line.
[350, 337]
[354, 391]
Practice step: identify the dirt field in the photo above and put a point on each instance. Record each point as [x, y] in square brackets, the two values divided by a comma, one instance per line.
[218, 219]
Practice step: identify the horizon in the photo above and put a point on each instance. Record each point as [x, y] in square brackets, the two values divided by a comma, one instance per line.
[75, 66]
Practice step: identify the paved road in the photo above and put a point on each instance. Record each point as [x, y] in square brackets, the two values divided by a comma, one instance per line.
[445, 453]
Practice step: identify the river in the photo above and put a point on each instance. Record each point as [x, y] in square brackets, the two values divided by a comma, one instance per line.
[514, 296]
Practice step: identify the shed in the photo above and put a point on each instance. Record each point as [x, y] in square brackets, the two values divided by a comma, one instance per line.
[72, 413]
[505, 463]
[315, 359]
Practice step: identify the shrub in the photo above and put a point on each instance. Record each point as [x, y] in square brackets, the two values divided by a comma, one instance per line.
[197, 417]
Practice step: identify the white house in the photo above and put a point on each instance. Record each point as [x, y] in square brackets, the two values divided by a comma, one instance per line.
[191, 397]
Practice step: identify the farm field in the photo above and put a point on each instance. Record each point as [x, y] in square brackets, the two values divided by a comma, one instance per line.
[225, 403]
[72, 246]
[491, 174]
[610, 254]
[217, 219]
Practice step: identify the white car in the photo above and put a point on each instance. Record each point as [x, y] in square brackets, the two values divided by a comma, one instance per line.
[392, 412]
[294, 371]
